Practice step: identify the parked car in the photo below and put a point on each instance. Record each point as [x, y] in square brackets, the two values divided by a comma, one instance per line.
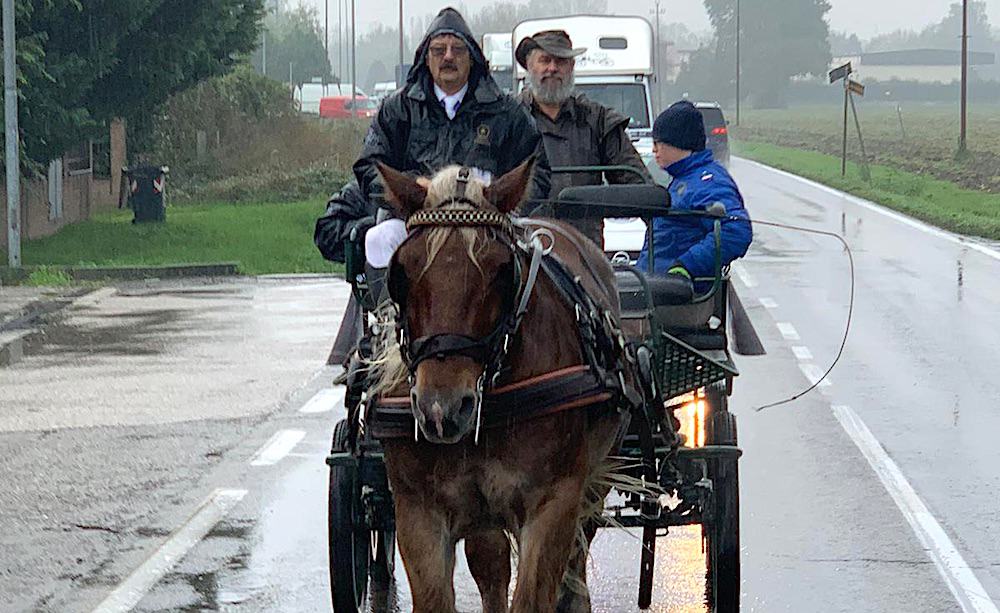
[308, 95]
[340, 107]
[716, 131]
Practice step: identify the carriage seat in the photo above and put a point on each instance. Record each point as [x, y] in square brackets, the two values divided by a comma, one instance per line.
[664, 290]
[673, 308]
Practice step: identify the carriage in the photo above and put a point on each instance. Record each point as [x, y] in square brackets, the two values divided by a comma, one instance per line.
[678, 341]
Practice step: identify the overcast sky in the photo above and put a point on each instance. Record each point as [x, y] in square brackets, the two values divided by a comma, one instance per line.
[863, 17]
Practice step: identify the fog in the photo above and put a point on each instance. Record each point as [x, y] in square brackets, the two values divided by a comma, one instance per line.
[866, 18]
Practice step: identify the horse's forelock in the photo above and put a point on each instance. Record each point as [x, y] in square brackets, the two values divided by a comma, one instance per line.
[440, 195]
[444, 188]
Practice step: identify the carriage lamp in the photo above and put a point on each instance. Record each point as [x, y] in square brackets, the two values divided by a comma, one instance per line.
[692, 418]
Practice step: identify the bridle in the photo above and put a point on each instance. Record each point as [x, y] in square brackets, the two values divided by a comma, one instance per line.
[491, 350]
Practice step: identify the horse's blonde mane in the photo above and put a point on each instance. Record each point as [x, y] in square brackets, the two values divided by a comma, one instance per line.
[440, 194]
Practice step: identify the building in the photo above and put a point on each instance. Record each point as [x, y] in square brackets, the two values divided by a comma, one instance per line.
[932, 66]
[70, 191]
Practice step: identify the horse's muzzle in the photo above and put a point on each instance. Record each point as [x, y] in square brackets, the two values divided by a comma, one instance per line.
[444, 417]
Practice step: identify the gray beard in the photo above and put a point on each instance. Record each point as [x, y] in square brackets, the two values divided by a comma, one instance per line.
[551, 93]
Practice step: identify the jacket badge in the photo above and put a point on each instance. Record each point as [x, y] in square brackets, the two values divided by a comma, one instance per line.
[681, 189]
[483, 135]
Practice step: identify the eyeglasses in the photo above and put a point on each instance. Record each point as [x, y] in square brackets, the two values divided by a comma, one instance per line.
[442, 50]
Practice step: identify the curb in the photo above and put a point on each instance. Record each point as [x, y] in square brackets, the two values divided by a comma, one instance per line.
[126, 273]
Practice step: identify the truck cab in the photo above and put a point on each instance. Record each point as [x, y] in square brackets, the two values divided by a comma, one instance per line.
[497, 47]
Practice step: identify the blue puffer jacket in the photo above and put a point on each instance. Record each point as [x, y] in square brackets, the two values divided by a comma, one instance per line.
[698, 182]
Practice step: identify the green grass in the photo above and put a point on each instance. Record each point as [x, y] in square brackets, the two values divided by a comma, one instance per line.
[925, 144]
[935, 201]
[46, 276]
[263, 238]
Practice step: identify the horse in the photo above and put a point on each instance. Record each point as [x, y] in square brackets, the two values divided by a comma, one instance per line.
[531, 484]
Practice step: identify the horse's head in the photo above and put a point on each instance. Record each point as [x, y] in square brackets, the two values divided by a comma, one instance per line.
[455, 280]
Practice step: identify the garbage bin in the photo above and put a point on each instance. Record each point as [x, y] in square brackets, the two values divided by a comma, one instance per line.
[146, 192]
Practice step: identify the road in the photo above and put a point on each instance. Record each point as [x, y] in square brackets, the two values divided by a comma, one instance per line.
[190, 422]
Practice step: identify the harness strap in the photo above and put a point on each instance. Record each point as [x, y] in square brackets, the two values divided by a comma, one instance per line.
[554, 392]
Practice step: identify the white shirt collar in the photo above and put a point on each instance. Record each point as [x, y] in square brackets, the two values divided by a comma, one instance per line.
[452, 101]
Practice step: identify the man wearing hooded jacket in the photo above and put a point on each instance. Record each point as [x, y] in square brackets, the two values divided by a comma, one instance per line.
[449, 111]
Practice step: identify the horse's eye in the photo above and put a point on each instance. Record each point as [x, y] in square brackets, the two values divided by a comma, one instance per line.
[397, 283]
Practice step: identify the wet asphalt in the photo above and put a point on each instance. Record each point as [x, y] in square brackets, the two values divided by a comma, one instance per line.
[130, 412]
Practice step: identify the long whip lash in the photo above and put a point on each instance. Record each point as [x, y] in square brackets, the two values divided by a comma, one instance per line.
[850, 308]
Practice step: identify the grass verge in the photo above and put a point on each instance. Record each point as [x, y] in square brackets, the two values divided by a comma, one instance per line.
[938, 202]
[263, 238]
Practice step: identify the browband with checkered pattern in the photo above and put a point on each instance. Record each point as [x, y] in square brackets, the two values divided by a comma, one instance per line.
[461, 218]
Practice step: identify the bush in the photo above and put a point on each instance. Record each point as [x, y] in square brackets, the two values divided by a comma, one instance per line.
[266, 187]
[258, 147]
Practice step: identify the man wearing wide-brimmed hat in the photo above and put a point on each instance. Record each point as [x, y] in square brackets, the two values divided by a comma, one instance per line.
[576, 131]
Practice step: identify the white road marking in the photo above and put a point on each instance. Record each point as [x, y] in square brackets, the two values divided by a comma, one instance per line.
[802, 353]
[324, 400]
[768, 303]
[744, 276]
[788, 331]
[881, 210]
[815, 373]
[957, 574]
[280, 445]
[131, 591]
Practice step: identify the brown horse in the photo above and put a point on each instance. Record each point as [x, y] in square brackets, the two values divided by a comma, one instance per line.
[531, 481]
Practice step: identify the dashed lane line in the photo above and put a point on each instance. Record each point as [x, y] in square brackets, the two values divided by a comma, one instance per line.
[768, 303]
[815, 375]
[802, 353]
[745, 277]
[788, 331]
[279, 445]
[955, 571]
[324, 400]
[128, 593]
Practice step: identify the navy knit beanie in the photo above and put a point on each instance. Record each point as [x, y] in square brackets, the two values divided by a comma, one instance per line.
[680, 126]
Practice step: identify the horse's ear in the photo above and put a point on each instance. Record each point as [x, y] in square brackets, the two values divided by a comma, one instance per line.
[403, 193]
[507, 192]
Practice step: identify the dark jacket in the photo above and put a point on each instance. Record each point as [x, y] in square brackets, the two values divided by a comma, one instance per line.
[345, 210]
[586, 133]
[699, 182]
[412, 133]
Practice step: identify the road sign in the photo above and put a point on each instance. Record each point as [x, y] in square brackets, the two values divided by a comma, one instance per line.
[855, 87]
[841, 72]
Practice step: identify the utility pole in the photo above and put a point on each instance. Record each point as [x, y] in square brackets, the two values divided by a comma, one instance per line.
[340, 41]
[263, 52]
[738, 36]
[658, 58]
[354, 63]
[400, 69]
[326, 34]
[965, 76]
[12, 150]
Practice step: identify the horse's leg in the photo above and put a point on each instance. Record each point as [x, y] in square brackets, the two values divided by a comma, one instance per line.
[488, 553]
[574, 596]
[428, 552]
[546, 543]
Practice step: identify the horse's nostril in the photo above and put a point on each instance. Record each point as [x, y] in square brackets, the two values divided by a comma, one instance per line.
[468, 405]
